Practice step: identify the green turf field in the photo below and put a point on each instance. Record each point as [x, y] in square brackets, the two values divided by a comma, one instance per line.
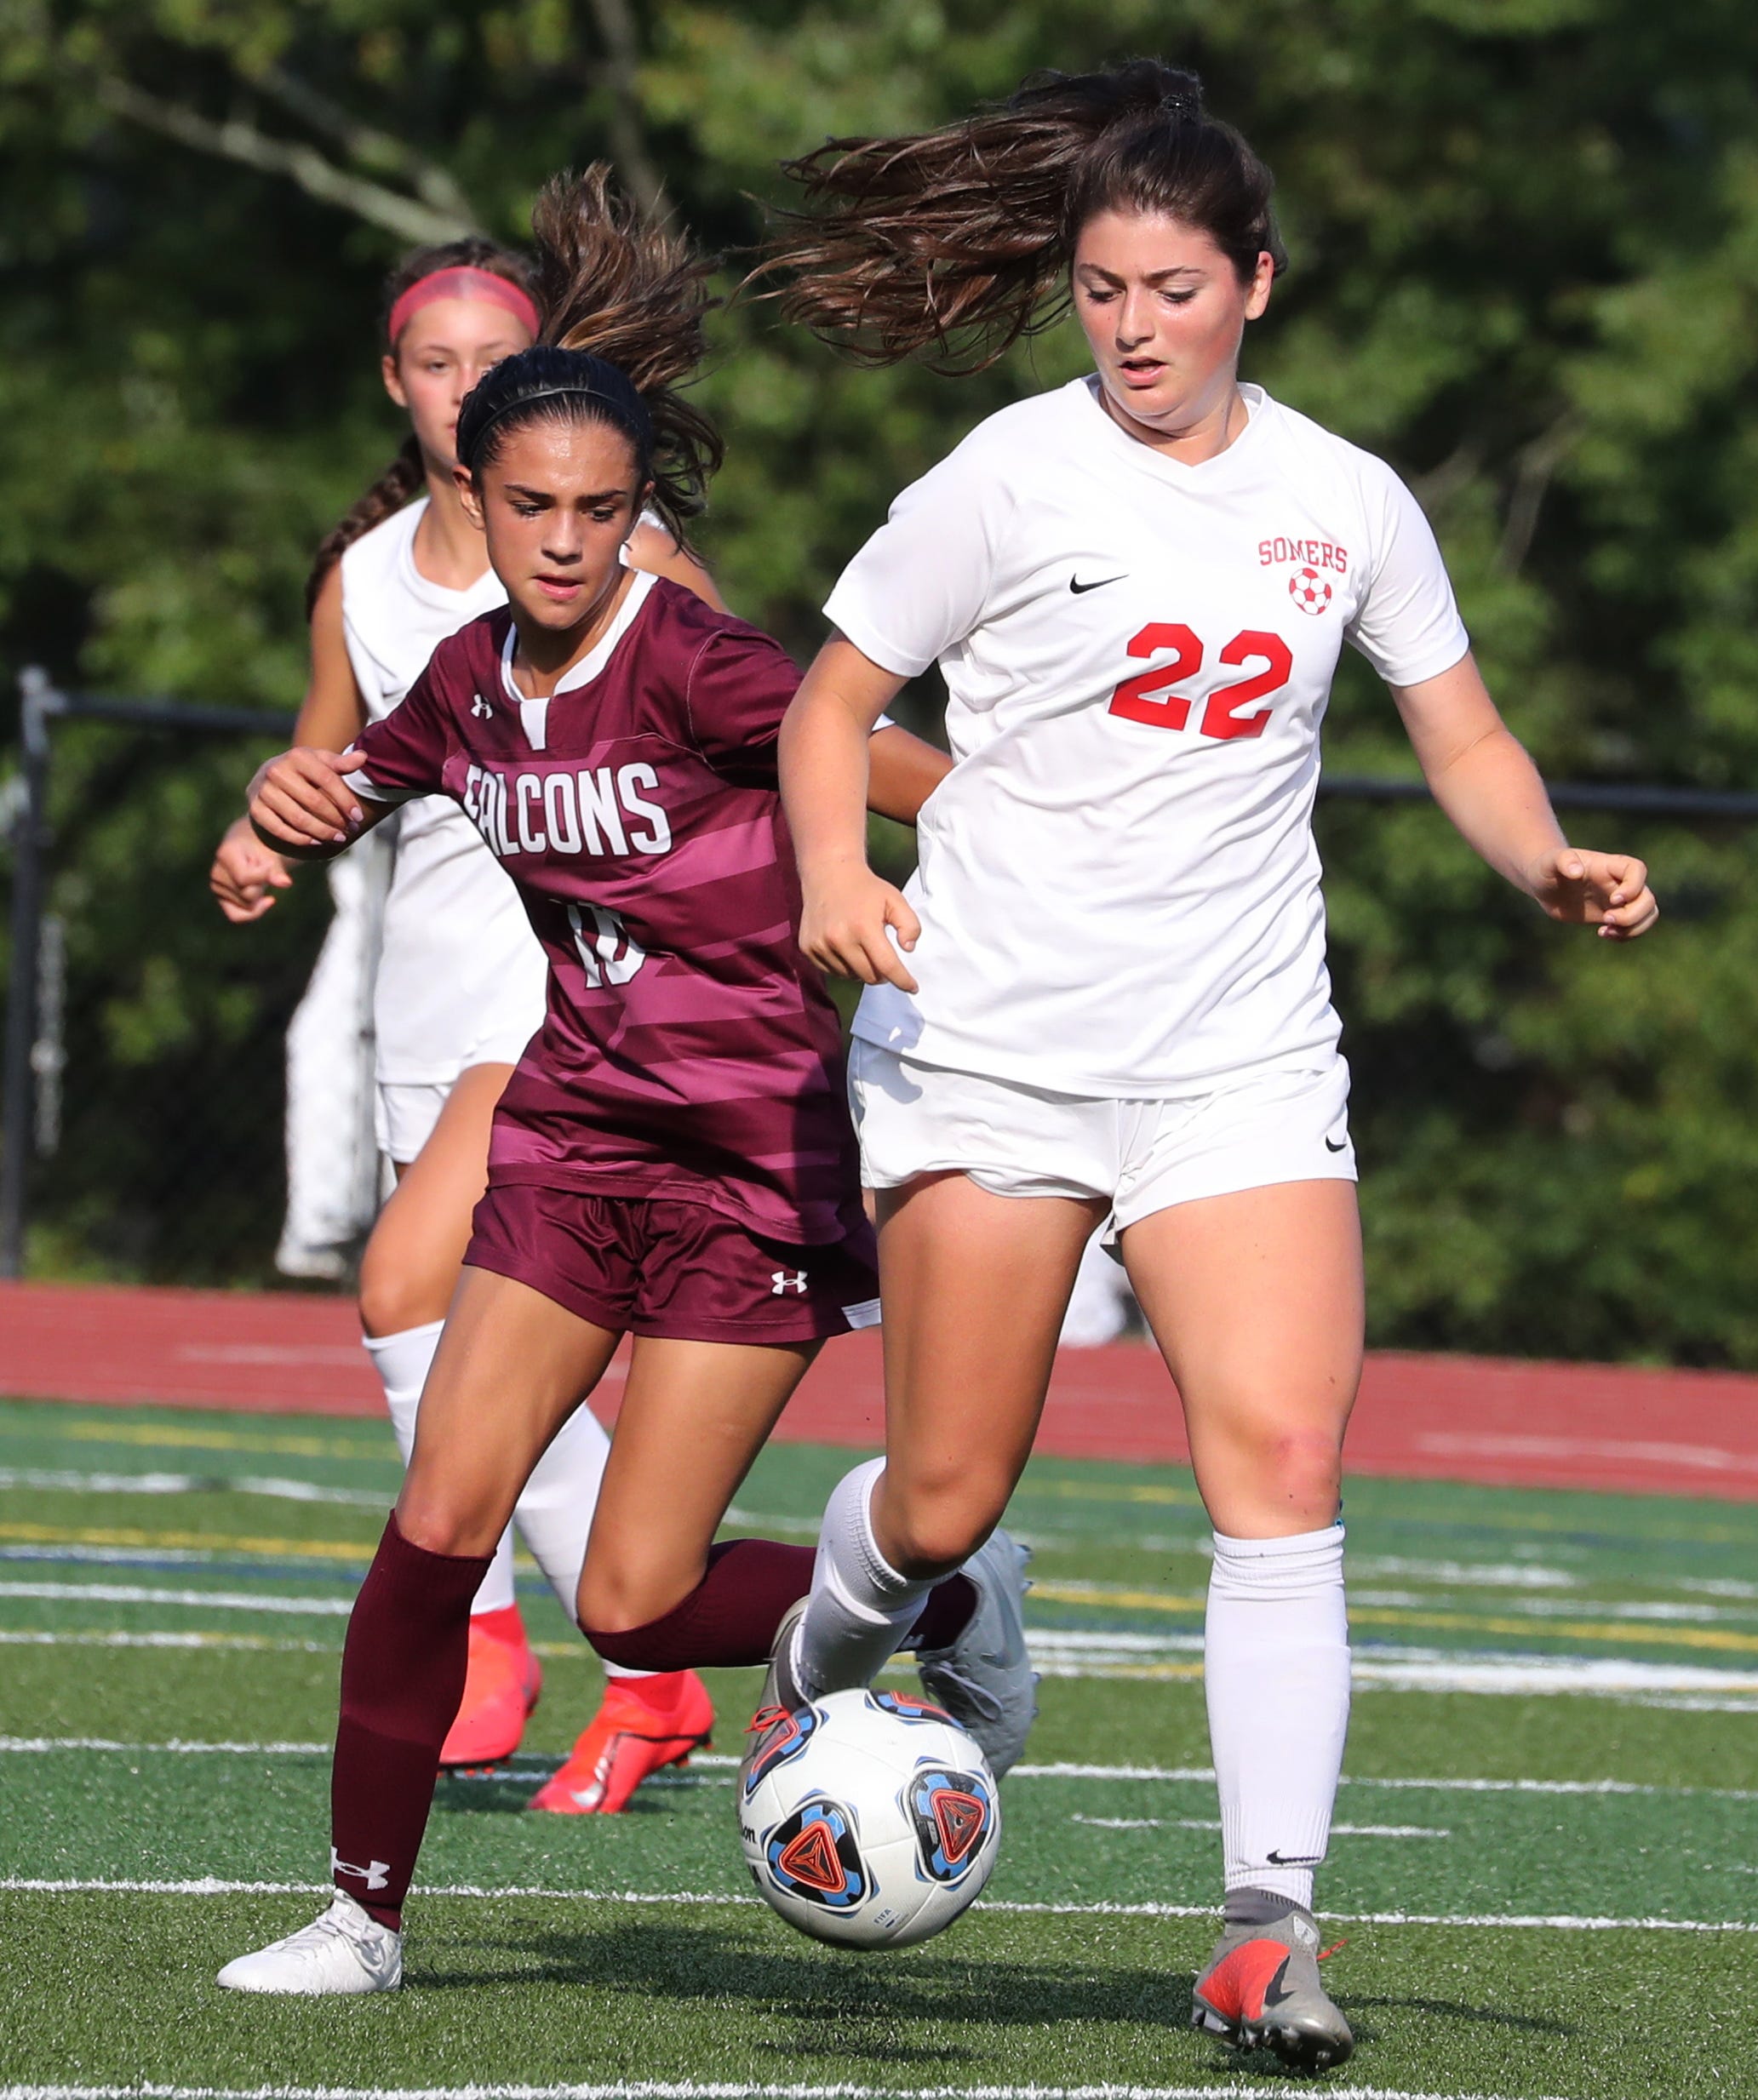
[1545, 1870]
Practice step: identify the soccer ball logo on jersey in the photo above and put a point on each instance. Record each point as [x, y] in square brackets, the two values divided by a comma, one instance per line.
[1312, 563]
[1309, 591]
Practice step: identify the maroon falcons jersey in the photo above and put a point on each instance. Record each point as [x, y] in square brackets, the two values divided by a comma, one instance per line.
[689, 1050]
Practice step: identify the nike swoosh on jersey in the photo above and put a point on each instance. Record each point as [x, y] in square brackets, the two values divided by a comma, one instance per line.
[1079, 588]
[1343, 1147]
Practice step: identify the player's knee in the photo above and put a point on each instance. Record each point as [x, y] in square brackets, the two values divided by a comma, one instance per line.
[395, 1295]
[610, 1605]
[438, 1523]
[928, 1532]
[1300, 1468]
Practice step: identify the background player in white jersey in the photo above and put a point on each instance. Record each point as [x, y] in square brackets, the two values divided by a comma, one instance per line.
[460, 986]
[1107, 992]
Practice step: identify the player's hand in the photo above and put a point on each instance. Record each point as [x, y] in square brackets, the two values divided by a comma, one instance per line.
[303, 796]
[245, 875]
[1606, 890]
[846, 926]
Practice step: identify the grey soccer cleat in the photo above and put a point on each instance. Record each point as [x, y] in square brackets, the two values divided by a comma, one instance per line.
[344, 1953]
[1261, 1990]
[985, 1680]
[776, 1728]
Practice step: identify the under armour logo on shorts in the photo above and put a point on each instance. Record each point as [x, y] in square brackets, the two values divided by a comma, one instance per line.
[780, 1281]
[376, 1876]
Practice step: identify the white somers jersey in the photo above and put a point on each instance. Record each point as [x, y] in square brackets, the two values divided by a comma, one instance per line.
[1117, 885]
[461, 977]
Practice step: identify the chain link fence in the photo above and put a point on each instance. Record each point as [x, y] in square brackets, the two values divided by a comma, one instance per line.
[147, 1050]
[146, 1039]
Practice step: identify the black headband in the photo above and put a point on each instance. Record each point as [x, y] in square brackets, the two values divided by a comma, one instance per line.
[630, 404]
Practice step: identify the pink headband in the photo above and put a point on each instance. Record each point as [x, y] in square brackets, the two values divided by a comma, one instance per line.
[464, 282]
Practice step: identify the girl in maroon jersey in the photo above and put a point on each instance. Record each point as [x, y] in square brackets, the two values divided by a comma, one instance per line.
[458, 986]
[673, 1157]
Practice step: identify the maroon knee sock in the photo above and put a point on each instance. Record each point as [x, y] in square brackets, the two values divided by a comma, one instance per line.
[731, 1617]
[945, 1615]
[403, 1678]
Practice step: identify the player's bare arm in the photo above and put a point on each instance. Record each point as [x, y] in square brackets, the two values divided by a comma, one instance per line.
[246, 875]
[827, 755]
[653, 549]
[1481, 776]
[902, 771]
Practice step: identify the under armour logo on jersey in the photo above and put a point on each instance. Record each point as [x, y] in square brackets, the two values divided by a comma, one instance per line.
[376, 1875]
[480, 708]
[780, 1281]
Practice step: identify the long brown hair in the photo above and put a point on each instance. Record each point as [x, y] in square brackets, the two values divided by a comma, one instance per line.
[952, 244]
[404, 476]
[632, 290]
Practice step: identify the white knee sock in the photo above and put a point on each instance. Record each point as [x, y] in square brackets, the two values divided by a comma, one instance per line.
[1276, 1667]
[554, 1511]
[861, 1606]
[403, 1361]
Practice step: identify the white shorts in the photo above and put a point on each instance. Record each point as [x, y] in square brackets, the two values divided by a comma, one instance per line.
[404, 1111]
[1140, 1156]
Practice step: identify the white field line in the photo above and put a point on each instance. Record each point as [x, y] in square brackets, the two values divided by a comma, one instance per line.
[42, 1746]
[692, 2089]
[1195, 1775]
[1057, 1653]
[253, 1642]
[112, 1556]
[1207, 1823]
[528, 1765]
[278, 1490]
[1705, 1457]
[702, 1899]
[217, 1599]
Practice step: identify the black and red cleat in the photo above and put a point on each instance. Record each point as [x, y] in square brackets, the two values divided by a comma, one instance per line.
[1261, 1990]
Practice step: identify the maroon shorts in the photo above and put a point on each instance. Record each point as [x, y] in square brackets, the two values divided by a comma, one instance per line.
[677, 1271]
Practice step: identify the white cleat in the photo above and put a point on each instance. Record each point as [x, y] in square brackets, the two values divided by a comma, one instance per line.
[344, 1953]
[985, 1680]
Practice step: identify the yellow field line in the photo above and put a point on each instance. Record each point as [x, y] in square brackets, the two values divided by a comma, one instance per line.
[1522, 1520]
[1450, 1621]
[1091, 1594]
[1110, 1599]
[1569, 1629]
[1094, 1492]
[198, 1541]
[173, 1439]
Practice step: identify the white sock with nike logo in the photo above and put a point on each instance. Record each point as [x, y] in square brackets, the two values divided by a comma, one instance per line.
[1276, 1670]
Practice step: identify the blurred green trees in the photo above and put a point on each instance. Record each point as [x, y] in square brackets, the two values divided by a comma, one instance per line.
[1524, 244]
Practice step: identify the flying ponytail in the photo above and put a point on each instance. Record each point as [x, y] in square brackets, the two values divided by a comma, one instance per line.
[950, 245]
[625, 303]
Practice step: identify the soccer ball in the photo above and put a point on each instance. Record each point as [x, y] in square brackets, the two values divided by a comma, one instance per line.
[1309, 591]
[869, 1819]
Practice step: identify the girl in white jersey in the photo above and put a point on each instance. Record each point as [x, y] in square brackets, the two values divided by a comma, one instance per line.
[1105, 993]
[460, 987]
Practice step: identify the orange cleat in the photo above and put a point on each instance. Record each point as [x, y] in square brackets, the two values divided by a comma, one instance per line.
[645, 1724]
[503, 1687]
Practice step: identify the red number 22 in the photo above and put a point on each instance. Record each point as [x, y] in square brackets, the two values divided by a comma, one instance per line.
[1148, 697]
